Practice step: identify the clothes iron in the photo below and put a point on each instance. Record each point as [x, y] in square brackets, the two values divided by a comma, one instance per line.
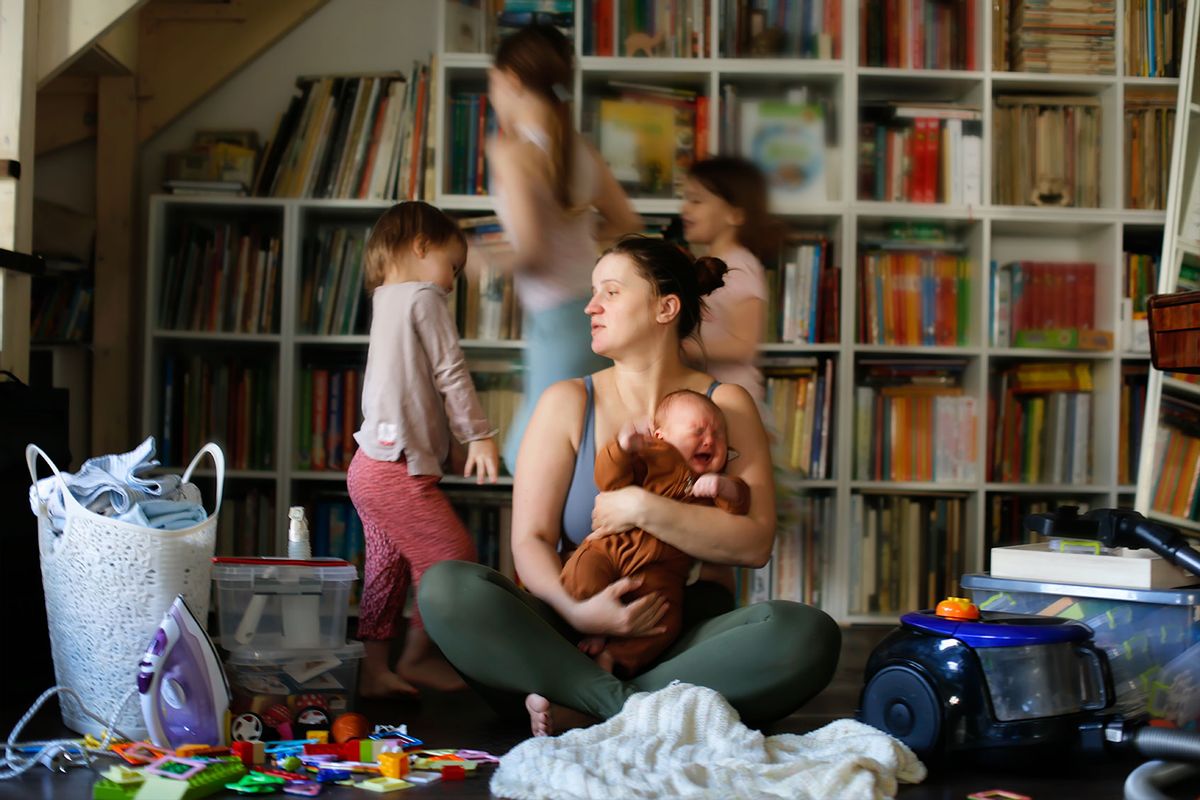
[184, 693]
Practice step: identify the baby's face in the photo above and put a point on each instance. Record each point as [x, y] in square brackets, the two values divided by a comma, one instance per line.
[697, 433]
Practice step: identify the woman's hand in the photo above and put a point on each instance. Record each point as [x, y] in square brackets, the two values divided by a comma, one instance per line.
[604, 614]
[617, 511]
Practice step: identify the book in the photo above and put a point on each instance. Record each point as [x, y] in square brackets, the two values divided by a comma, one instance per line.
[787, 141]
[1123, 568]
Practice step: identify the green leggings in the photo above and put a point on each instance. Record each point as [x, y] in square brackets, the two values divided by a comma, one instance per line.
[766, 659]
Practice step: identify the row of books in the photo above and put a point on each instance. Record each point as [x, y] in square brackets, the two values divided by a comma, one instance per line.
[221, 277]
[1041, 427]
[1054, 36]
[799, 397]
[1177, 458]
[649, 135]
[328, 414]
[1154, 37]
[332, 300]
[1133, 411]
[359, 136]
[917, 34]
[921, 154]
[672, 30]
[803, 294]
[1028, 308]
[790, 28]
[472, 120]
[1047, 150]
[1149, 129]
[908, 551]
[228, 400]
[794, 573]
[488, 520]
[485, 306]
[913, 423]
[913, 297]
[246, 524]
[62, 311]
[1141, 278]
[1006, 518]
[499, 389]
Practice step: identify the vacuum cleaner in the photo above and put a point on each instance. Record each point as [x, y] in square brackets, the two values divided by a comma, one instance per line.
[955, 683]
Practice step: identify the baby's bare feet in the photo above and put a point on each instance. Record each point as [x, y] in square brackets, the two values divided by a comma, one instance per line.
[592, 645]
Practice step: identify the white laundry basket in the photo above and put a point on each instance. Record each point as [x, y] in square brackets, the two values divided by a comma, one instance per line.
[107, 585]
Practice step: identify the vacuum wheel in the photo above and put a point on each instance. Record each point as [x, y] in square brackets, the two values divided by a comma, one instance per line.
[899, 700]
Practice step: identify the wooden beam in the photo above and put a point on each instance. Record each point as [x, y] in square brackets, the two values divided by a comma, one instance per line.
[187, 50]
[113, 314]
[67, 28]
[66, 112]
[119, 44]
[18, 102]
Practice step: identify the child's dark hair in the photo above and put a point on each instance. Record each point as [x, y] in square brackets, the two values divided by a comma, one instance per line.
[670, 270]
[742, 185]
[543, 60]
[396, 230]
[668, 400]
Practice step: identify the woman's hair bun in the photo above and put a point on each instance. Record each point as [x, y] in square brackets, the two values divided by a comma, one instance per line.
[710, 274]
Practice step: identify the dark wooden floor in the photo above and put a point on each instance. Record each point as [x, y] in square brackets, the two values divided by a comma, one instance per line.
[462, 720]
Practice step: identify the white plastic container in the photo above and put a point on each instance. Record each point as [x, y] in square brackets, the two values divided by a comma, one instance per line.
[268, 604]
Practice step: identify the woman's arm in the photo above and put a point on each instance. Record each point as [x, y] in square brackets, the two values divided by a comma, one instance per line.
[617, 216]
[705, 533]
[521, 175]
[743, 324]
[545, 466]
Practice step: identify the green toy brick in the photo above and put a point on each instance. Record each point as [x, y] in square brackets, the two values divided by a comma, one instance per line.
[104, 789]
[202, 784]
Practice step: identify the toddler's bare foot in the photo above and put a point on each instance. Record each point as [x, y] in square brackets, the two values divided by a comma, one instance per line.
[592, 645]
[432, 671]
[384, 684]
[547, 719]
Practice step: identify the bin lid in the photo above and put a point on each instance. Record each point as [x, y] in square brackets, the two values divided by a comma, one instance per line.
[1188, 596]
[276, 561]
[252, 569]
[278, 657]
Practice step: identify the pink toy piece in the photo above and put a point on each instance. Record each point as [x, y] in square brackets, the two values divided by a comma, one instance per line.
[304, 789]
[477, 755]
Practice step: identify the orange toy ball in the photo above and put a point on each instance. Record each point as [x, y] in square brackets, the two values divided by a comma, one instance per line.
[349, 726]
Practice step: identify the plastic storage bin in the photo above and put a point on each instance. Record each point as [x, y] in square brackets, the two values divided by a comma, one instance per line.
[1141, 631]
[269, 604]
[279, 686]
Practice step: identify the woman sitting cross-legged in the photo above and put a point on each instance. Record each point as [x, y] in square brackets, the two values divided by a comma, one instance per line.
[509, 642]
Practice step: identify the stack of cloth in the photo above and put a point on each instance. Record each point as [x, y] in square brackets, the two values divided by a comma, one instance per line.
[686, 741]
[116, 486]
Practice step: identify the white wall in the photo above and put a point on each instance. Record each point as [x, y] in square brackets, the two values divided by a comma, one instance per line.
[343, 36]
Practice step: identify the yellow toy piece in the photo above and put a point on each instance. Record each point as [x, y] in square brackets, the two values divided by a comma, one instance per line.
[393, 765]
[319, 736]
[382, 785]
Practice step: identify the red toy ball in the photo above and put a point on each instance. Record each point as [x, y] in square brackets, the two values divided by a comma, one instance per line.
[349, 726]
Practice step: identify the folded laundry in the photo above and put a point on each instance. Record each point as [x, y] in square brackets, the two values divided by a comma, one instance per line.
[116, 486]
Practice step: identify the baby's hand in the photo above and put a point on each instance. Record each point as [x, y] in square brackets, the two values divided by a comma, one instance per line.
[633, 435]
[707, 485]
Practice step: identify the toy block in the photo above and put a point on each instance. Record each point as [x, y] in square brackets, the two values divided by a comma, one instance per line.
[323, 749]
[250, 753]
[319, 736]
[382, 785]
[123, 775]
[104, 789]
[350, 750]
[420, 777]
[190, 750]
[204, 783]
[393, 765]
[453, 772]
[366, 750]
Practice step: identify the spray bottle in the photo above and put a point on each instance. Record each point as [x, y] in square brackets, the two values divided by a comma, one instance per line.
[298, 544]
[302, 610]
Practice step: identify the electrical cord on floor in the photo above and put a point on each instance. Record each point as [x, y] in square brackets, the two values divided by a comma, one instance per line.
[13, 764]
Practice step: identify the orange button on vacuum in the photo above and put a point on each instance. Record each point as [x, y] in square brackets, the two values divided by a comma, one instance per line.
[957, 608]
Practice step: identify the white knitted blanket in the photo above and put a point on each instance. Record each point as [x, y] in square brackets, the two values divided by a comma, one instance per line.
[687, 741]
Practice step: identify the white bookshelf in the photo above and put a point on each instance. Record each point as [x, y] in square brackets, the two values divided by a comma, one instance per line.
[1185, 163]
[991, 232]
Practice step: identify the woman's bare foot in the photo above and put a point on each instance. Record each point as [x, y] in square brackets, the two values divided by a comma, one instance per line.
[605, 661]
[432, 671]
[547, 719]
[384, 684]
[592, 645]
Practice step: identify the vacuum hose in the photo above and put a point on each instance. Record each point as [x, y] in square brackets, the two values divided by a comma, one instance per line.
[1166, 743]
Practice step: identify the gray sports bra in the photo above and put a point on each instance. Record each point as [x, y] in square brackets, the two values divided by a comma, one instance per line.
[581, 494]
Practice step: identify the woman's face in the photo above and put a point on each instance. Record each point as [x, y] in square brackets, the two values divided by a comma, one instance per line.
[705, 215]
[624, 309]
[505, 94]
